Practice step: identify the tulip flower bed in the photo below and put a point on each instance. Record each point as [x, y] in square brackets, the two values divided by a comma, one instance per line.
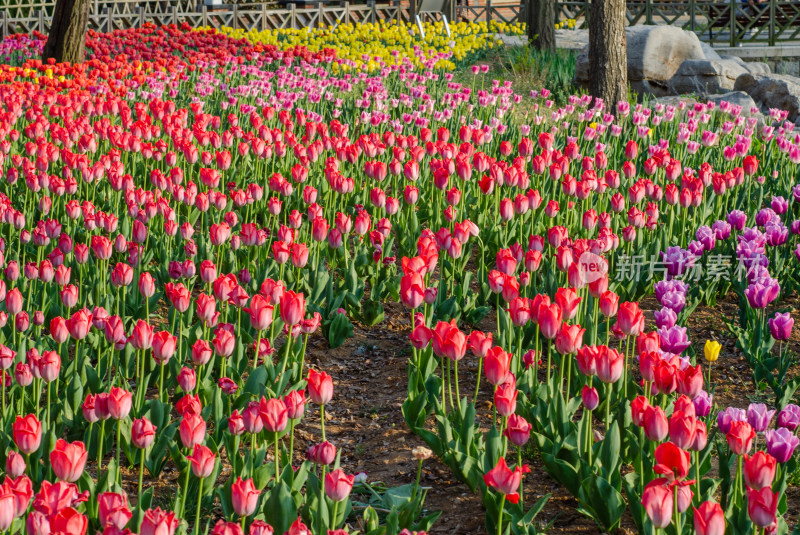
[187, 217]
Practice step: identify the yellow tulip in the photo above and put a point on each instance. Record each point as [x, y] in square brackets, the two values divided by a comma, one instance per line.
[711, 350]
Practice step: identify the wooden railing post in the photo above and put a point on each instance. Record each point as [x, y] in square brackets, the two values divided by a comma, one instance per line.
[648, 12]
[372, 14]
[41, 21]
[235, 23]
[488, 10]
[263, 17]
[293, 17]
[732, 7]
[110, 19]
[205, 16]
[772, 23]
[692, 21]
[175, 15]
[412, 10]
[347, 13]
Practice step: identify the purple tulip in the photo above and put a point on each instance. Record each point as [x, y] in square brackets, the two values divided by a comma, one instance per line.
[677, 260]
[796, 192]
[674, 339]
[753, 234]
[737, 219]
[760, 295]
[666, 286]
[766, 215]
[777, 234]
[728, 416]
[696, 248]
[795, 226]
[781, 444]
[789, 417]
[665, 318]
[758, 416]
[722, 229]
[703, 403]
[779, 204]
[706, 237]
[675, 300]
[781, 326]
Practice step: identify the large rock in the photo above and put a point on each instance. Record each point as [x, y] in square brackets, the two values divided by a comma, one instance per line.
[772, 91]
[705, 76]
[736, 98]
[654, 55]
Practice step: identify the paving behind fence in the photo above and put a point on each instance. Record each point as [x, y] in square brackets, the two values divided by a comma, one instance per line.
[720, 22]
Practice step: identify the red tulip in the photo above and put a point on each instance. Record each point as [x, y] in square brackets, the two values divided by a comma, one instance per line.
[143, 433]
[609, 364]
[164, 344]
[630, 318]
[244, 497]
[496, 366]
[655, 423]
[158, 522]
[504, 480]
[22, 489]
[682, 429]
[203, 460]
[740, 437]
[274, 414]
[320, 387]
[69, 522]
[505, 399]
[672, 461]
[480, 343]
[549, 317]
[15, 464]
[113, 510]
[567, 299]
[657, 500]
[412, 289]
[192, 430]
[119, 403]
[322, 454]
[201, 352]
[762, 506]
[609, 304]
[293, 307]
[569, 339]
[709, 519]
[518, 430]
[224, 343]
[589, 397]
[27, 433]
[142, 335]
[78, 324]
[227, 528]
[759, 470]
[261, 312]
[448, 341]
[295, 402]
[187, 379]
[68, 460]
[338, 485]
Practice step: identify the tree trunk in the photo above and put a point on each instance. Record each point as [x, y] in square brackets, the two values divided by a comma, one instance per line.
[67, 37]
[542, 24]
[608, 63]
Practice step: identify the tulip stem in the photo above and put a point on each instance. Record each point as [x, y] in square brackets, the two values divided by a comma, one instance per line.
[458, 394]
[48, 405]
[521, 483]
[161, 384]
[257, 350]
[322, 420]
[119, 447]
[100, 446]
[277, 460]
[416, 484]
[500, 516]
[186, 489]
[141, 475]
[199, 504]
[608, 406]
[478, 384]
[334, 514]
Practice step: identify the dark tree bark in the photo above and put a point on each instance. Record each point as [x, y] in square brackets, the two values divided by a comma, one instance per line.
[608, 53]
[67, 38]
[542, 24]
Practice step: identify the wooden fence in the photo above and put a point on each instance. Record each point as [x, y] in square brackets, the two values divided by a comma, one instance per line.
[724, 22]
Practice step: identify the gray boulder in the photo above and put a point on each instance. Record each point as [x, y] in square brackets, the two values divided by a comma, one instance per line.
[736, 98]
[654, 55]
[772, 91]
[705, 76]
